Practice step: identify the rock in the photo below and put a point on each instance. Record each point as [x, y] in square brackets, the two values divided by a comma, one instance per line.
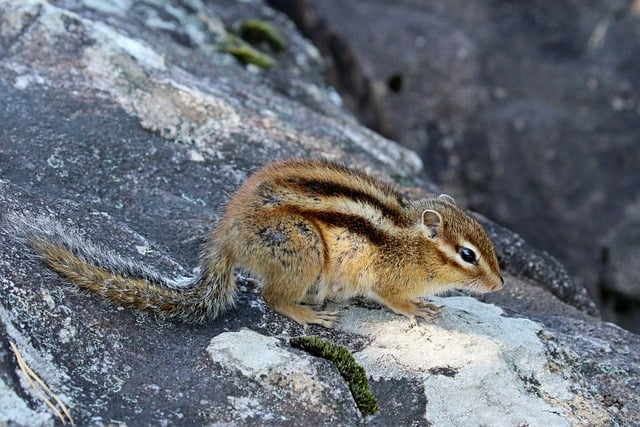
[472, 347]
[126, 122]
[527, 112]
[16, 411]
[620, 281]
[290, 383]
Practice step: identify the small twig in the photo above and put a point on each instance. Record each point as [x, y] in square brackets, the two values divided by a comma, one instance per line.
[599, 33]
[43, 390]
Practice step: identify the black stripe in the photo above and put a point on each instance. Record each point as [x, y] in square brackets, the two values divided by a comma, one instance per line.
[315, 187]
[354, 223]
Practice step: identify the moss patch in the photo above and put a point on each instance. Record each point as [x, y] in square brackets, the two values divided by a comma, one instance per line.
[353, 374]
[249, 34]
[255, 32]
[245, 53]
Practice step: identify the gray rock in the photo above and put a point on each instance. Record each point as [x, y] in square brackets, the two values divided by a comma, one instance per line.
[128, 123]
[620, 276]
[471, 347]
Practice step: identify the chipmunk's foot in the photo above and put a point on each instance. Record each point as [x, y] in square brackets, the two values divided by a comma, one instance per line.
[306, 315]
[413, 308]
[327, 319]
[428, 311]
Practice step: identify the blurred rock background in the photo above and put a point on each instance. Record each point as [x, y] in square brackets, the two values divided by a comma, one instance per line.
[528, 112]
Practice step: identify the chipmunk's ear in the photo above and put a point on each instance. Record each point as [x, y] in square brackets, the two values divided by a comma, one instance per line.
[446, 198]
[432, 220]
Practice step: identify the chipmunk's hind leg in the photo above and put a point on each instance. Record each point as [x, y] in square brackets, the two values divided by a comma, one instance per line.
[288, 254]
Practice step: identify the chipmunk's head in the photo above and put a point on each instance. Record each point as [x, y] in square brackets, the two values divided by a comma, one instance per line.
[465, 256]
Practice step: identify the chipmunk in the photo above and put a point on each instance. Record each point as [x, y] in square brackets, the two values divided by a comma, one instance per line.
[311, 230]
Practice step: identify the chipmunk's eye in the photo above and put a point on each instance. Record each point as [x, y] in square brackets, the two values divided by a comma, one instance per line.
[467, 255]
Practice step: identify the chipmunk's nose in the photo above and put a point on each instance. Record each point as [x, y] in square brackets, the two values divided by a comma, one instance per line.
[498, 285]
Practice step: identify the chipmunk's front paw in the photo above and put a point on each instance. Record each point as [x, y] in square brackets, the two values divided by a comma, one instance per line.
[426, 310]
[413, 309]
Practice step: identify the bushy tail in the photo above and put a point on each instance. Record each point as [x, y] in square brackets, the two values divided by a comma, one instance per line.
[124, 281]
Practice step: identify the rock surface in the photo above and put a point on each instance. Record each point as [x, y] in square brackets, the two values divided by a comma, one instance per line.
[528, 111]
[126, 120]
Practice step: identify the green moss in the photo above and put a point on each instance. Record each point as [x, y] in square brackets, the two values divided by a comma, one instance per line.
[255, 32]
[354, 374]
[245, 53]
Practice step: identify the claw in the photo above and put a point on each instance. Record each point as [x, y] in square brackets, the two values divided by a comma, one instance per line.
[325, 318]
[427, 310]
[424, 310]
[413, 321]
[306, 315]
